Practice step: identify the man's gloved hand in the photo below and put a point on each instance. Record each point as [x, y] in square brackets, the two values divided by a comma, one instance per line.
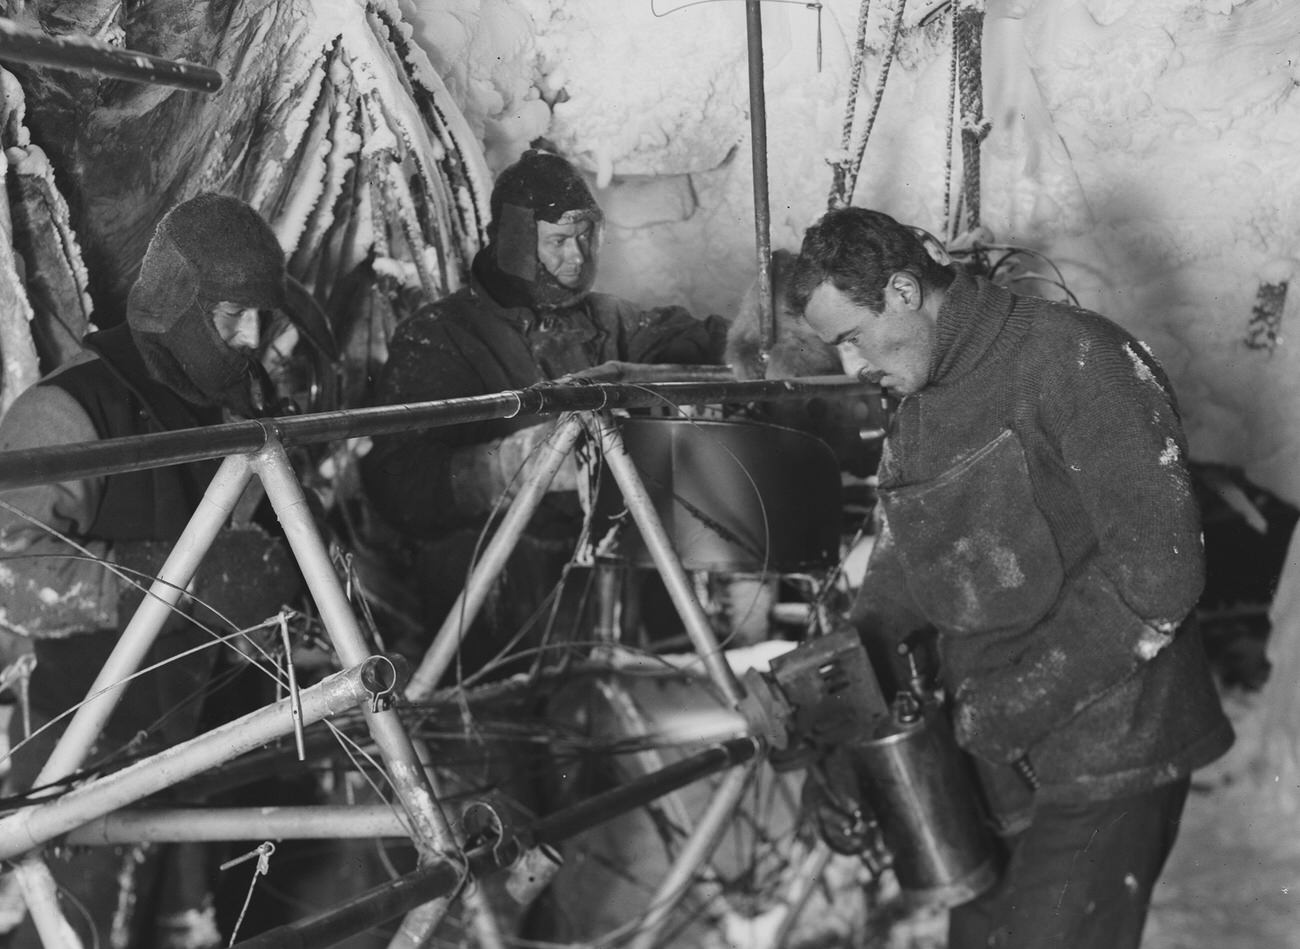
[481, 474]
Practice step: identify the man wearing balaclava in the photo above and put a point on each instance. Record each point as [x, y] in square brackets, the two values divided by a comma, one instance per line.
[529, 314]
[184, 357]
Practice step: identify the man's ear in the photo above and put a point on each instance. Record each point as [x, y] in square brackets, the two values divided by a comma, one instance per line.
[906, 289]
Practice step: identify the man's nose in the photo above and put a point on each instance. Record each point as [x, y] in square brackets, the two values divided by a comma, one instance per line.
[852, 360]
[573, 253]
[245, 335]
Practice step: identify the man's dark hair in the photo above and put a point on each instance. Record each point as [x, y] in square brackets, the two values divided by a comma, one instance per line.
[856, 251]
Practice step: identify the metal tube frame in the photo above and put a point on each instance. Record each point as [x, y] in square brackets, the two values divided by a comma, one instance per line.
[84, 54]
[536, 478]
[699, 847]
[767, 331]
[660, 547]
[39, 823]
[423, 821]
[381, 903]
[34, 879]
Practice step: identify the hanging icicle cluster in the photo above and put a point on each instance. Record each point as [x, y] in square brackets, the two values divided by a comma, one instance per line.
[377, 184]
[330, 121]
[45, 308]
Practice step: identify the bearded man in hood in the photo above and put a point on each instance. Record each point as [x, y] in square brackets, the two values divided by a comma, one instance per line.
[528, 315]
[186, 356]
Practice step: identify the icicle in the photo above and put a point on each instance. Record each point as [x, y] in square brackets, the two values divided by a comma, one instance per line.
[288, 189]
[20, 366]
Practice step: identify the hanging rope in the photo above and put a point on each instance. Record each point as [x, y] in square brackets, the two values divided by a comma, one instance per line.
[846, 180]
[840, 168]
[967, 32]
[949, 216]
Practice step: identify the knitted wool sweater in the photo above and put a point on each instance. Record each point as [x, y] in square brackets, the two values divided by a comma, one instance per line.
[1037, 513]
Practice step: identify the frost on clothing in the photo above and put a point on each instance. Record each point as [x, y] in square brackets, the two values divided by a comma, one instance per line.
[49, 586]
[1034, 516]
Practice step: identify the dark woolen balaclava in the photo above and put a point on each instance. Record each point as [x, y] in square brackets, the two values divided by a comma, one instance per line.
[210, 249]
[540, 186]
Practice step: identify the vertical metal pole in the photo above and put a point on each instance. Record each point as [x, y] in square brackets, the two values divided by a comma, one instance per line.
[137, 638]
[432, 835]
[537, 477]
[758, 151]
[666, 561]
[609, 587]
[703, 841]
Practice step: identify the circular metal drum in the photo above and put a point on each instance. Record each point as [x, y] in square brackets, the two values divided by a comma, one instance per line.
[733, 496]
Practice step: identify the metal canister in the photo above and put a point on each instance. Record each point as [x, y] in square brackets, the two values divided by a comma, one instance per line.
[922, 789]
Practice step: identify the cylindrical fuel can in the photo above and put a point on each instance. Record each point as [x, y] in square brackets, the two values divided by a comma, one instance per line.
[922, 789]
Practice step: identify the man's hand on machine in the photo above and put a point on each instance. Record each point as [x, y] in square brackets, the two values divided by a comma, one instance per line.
[509, 455]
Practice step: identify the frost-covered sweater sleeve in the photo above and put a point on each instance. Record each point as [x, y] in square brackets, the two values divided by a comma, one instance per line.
[48, 587]
[1125, 515]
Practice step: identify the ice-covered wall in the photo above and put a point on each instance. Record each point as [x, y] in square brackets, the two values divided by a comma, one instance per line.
[1147, 146]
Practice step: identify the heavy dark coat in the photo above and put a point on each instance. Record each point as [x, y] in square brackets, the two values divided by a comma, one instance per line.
[470, 344]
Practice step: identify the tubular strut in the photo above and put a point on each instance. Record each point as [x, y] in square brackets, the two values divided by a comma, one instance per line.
[257, 448]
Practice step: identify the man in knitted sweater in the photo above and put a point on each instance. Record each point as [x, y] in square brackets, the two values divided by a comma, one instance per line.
[1037, 518]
